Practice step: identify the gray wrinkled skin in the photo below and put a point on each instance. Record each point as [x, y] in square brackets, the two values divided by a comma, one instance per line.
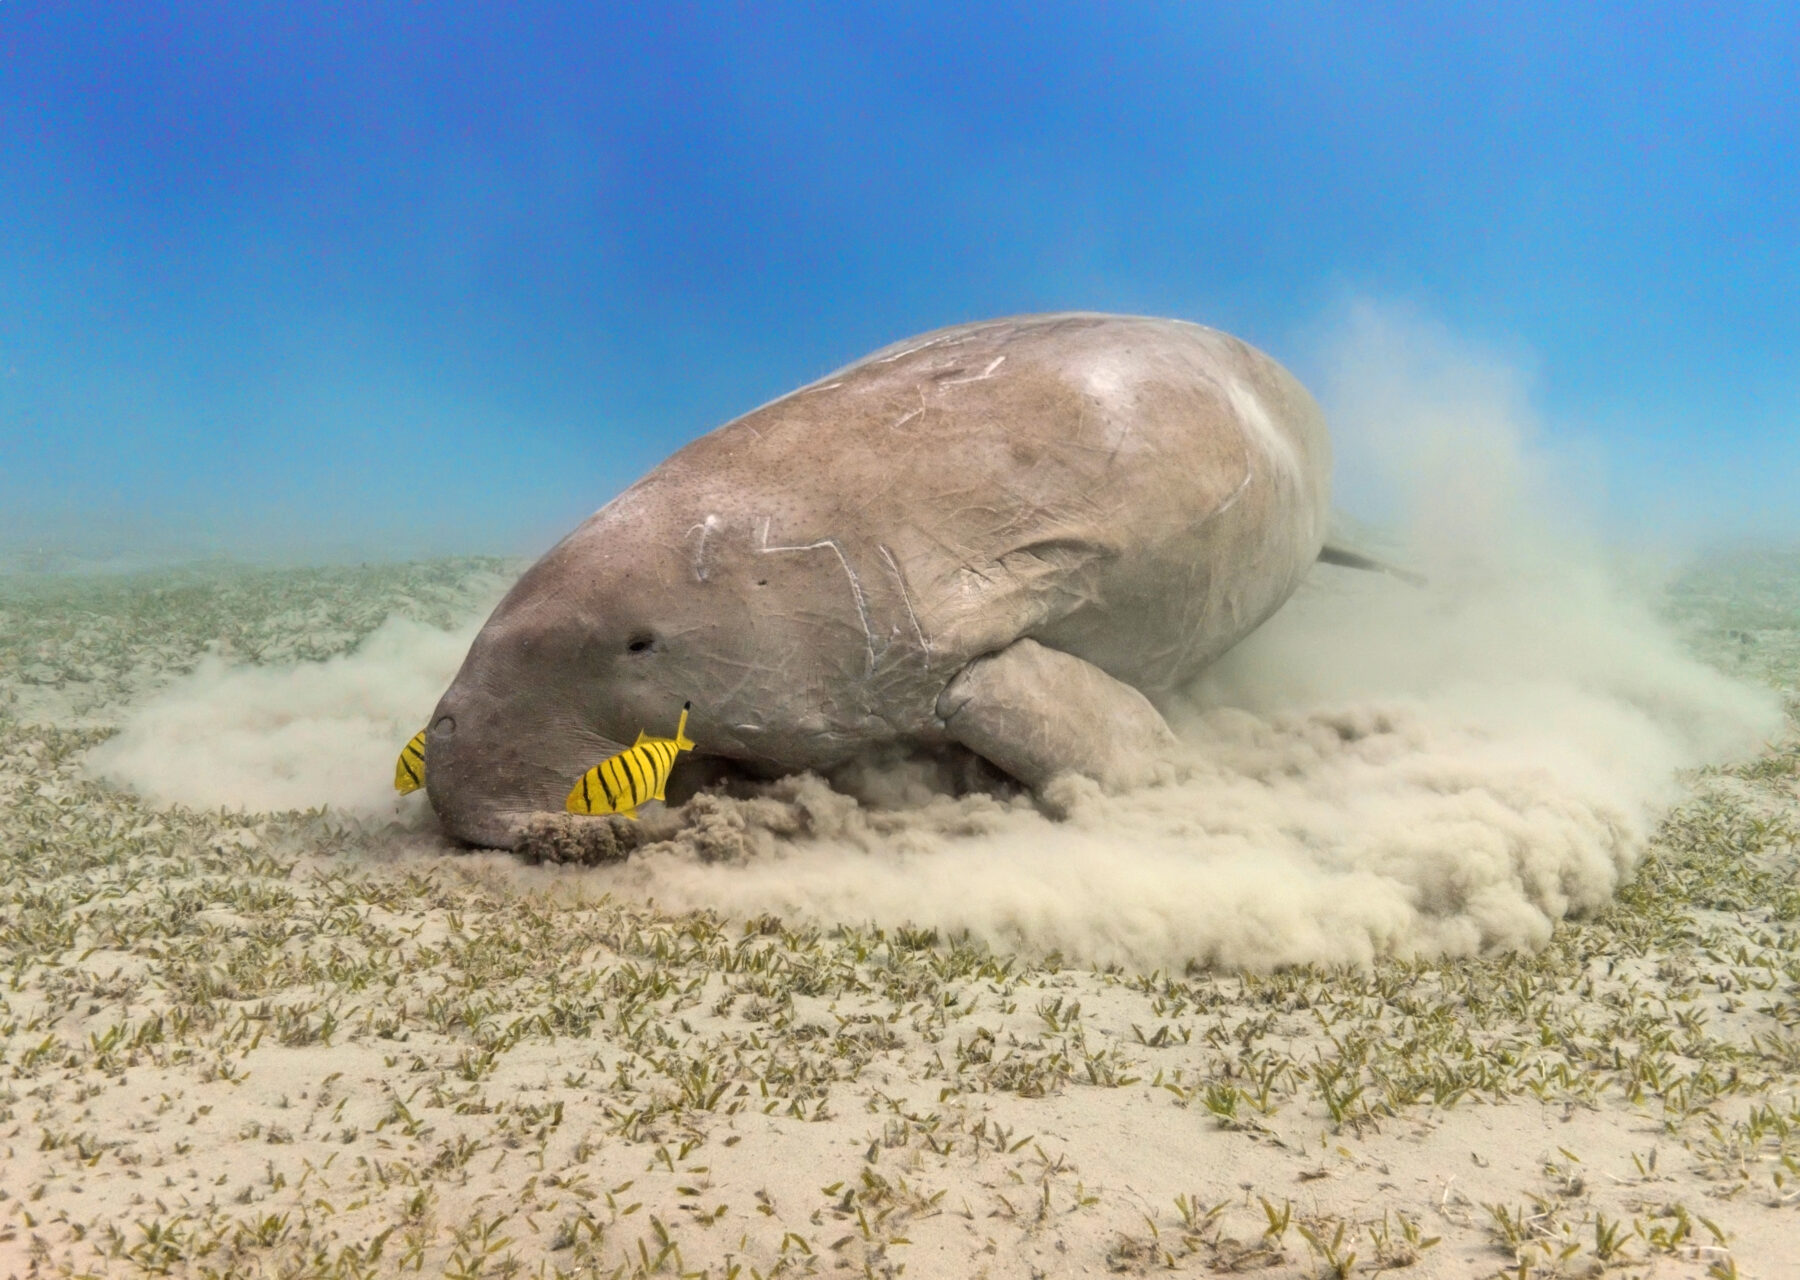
[1013, 538]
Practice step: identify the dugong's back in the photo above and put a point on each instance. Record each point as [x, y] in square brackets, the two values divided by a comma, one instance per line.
[1137, 492]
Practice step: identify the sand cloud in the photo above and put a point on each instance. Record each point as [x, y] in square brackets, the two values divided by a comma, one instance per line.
[1378, 770]
[245, 736]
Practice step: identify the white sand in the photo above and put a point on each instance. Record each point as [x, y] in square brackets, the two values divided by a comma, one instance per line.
[281, 1044]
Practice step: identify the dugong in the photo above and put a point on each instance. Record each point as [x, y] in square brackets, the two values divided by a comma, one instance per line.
[1014, 538]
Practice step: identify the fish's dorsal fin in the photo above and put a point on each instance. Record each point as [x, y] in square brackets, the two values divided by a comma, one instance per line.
[681, 739]
[642, 738]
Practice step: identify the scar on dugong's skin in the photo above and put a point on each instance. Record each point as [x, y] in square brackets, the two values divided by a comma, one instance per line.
[1012, 538]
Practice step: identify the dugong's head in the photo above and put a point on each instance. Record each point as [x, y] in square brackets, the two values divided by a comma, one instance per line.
[659, 599]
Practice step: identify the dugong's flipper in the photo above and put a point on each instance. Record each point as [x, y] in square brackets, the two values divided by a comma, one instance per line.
[1036, 712]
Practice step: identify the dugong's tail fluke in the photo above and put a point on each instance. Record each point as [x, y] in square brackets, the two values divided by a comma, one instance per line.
[1356, 560]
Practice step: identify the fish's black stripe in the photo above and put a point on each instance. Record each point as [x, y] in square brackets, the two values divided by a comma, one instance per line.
[639, 792]
[586, 800]
[417, 780]
[412, 749]
[608, 785]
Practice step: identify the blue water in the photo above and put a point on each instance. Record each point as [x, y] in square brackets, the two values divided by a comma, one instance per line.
[393, 279]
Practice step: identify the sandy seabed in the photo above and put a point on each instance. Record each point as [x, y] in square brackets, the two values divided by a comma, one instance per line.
[273, 1040]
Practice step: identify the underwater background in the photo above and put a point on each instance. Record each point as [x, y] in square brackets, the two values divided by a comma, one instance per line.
[340, 282]
[1462, 937]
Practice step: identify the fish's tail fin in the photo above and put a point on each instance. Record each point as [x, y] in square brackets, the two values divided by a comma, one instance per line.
[681, 739]
[1329, 554]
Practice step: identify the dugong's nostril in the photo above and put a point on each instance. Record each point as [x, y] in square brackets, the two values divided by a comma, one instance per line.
[445, 725]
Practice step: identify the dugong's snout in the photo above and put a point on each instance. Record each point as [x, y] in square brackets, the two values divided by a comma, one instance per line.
[485, 779]
[462, 803]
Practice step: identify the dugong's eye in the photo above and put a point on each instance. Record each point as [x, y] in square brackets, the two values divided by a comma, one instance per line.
[642, 642]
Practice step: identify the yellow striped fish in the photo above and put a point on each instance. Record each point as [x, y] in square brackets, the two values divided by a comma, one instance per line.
[619, 784]
[409, 771]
